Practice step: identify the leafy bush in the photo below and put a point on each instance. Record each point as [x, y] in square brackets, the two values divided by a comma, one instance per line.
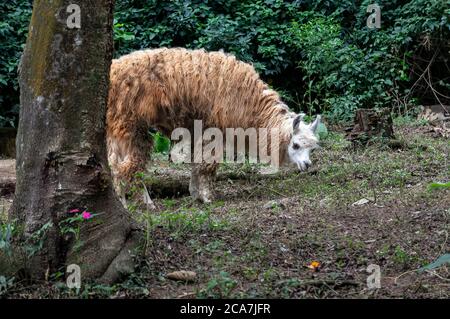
[161, 144]
[5, 284]
[319, 54]
[255, 31]
[339, 75]
[6, 232]
[15, 16]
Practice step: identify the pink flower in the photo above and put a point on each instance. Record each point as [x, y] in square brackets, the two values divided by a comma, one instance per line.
[74, 211]
[86, 215]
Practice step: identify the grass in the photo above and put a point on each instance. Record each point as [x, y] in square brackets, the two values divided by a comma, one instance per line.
[260, 235]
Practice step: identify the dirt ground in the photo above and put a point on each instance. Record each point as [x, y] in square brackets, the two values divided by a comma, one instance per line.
[7, 183]
[356, 207]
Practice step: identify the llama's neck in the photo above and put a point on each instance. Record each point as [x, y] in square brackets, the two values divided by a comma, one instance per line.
[274, 115]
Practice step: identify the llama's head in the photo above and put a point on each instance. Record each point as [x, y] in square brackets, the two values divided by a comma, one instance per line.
[303, 142]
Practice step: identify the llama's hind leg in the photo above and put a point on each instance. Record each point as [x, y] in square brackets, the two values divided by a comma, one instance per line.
[201, 184]
[133, 185]
[127, 157]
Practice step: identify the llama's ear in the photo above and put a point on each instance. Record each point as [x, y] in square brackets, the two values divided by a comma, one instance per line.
[297, 120]
[315, 124]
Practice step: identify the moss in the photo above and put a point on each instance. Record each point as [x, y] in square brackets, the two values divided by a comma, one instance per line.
[43, 24]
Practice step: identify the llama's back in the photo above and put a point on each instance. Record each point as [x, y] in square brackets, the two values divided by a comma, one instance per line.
[169, 87]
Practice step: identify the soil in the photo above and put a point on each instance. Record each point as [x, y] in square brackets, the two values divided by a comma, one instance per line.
[358, 207]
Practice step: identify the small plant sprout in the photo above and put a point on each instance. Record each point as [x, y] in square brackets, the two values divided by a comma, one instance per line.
[72, 225]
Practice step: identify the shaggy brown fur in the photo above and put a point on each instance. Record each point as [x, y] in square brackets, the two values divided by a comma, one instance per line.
[169, 88]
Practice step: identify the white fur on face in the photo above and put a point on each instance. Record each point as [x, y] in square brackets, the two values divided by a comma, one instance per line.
[303, 141]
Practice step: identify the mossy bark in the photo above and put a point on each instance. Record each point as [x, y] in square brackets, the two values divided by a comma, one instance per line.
[61, 152]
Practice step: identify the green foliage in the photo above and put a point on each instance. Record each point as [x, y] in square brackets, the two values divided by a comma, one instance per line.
[220, 286]
[71, 226]
[161, 144]
[255, 31]
[6, 233]
[5, 284]
[322, 131]
[9, 259]
[436, 185]
[36, 241]
[441, 261]
[181, 222]
[347, 68]
[319, 55]
[402, 257]
[15, 16]
[340, 76]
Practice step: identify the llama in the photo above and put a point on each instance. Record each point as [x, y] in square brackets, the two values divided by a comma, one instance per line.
[170, 88]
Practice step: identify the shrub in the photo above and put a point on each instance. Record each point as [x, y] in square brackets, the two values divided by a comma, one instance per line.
[339, 75]
[319, 54]
[15, 15]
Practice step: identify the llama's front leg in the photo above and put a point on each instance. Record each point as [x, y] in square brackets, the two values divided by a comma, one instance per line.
[202, 179]
[146, 198]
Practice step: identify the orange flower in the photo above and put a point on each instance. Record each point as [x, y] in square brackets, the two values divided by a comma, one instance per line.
[314, 265]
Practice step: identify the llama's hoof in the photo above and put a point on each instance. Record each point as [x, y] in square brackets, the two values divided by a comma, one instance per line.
[204, 196]
[149, 205]
[200, 188]
[205, 200]
[123, 200]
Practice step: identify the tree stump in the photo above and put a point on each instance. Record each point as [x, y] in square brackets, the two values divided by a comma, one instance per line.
[370, 123]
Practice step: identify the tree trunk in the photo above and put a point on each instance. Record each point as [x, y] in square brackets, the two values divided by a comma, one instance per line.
[61, 153]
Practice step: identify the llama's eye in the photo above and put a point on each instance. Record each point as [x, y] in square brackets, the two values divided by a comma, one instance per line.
[295, 146]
